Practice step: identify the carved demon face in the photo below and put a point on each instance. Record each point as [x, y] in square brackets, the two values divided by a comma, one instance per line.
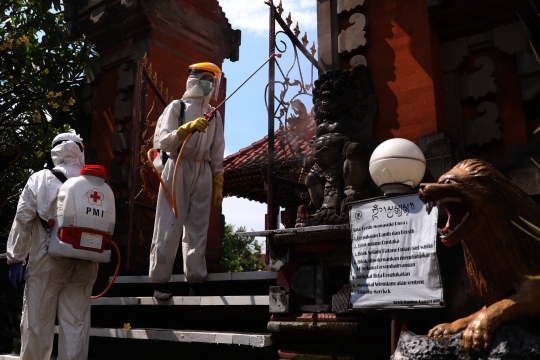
[335, 92]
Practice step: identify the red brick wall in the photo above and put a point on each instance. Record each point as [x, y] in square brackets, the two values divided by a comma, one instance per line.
[403, 57]
[173, 48]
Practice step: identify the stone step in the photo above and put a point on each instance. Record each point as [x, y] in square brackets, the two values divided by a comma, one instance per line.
[298, 230]
[258, 340]
[257, 300]
[251, 340]
[16, 357]
[180, 278]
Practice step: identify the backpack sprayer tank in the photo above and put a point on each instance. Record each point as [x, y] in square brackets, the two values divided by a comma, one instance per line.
[85, 217]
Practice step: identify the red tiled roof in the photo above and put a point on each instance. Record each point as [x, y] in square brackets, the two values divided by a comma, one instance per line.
[255, 156]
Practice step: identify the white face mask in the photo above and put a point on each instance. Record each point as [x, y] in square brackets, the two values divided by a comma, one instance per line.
[192, 87]
[200, 85]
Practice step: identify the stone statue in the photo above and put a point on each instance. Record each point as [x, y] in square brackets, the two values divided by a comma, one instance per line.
[345, 110]
[481, 204]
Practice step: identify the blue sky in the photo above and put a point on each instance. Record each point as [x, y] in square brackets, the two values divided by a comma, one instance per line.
[245, 113]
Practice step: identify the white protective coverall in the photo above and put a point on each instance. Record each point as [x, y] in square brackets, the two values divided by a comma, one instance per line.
[202, 159]
[54, 286]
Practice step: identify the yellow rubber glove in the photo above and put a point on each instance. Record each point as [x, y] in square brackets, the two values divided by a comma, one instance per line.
[217, 198]
[198, 124]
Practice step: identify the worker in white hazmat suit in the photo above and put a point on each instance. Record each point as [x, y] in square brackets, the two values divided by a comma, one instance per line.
[200, 174]
[55, 287]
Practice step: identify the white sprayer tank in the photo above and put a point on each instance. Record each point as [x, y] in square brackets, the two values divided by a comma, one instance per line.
[85, 217]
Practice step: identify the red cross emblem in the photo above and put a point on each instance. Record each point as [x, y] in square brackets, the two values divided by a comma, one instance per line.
[95, 197]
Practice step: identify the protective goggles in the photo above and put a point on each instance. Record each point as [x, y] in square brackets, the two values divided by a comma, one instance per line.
[63, 141]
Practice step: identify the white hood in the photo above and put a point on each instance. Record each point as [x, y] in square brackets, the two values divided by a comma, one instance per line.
[67, 155]
[195, 92]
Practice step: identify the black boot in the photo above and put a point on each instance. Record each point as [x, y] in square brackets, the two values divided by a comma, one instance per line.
[161, 292]
[199, 289]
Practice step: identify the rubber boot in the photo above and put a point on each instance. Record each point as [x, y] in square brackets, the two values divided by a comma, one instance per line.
[161, 292]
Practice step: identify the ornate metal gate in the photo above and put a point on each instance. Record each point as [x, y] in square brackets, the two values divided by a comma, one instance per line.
[143, 183]
[279, 107]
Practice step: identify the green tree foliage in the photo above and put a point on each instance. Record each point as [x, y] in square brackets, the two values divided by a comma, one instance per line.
[41, 70]
[240, 253]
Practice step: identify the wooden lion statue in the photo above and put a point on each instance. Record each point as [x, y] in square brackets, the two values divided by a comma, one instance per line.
[481, 204]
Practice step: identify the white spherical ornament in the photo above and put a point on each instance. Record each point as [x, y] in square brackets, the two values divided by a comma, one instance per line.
[397, 166]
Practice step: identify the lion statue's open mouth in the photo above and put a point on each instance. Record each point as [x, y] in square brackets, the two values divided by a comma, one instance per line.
[457, 211]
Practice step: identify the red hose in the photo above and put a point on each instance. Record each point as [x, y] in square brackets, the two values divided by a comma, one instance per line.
[115, 273]
[172, 201]
[175, 208]
[150, 156]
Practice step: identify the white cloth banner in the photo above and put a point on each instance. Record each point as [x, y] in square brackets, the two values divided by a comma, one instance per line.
[394, 263]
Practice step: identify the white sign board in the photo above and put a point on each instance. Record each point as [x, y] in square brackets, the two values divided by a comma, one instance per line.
[394, 263]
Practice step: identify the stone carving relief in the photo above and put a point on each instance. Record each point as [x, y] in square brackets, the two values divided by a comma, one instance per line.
[99, 14]
[354, 36]
[480, 83]
[484, 128]
[345, 110]
[358, 60]
[121, 141]
[122, 108]
[348, 5]
[123, 112]
[126, 77]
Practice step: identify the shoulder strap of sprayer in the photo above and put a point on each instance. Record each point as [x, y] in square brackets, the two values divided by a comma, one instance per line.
[182, 110]
[60, 176]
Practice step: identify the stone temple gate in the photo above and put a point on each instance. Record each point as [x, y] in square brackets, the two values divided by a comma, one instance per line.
[460, 79]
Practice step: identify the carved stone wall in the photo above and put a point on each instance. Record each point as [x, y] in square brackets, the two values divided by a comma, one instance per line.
[491, 81]
[341, 30]
[480, 113]
[352, 38]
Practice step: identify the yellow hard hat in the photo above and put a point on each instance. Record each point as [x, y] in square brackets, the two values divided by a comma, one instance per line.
[207, 66]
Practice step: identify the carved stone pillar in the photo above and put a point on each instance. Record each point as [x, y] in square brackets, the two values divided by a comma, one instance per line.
[341, 49]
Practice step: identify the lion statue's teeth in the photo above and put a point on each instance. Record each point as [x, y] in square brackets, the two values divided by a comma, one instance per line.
[429, 207]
